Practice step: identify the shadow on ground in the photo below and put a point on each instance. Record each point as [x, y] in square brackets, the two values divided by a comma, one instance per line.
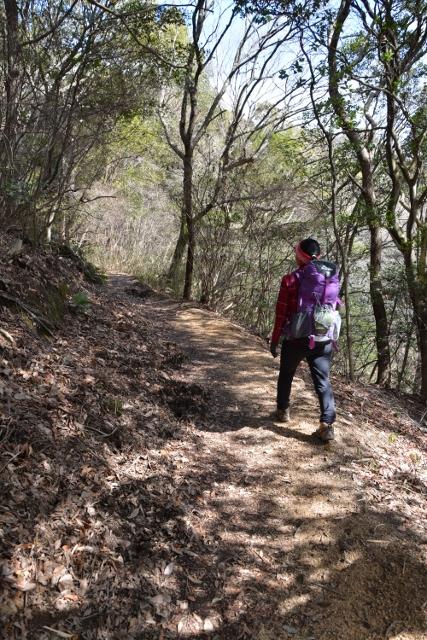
[231, 526]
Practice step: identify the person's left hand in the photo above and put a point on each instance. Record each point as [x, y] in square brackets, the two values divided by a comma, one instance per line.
[273, 349]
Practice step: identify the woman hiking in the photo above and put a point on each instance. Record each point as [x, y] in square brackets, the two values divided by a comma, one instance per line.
[307, 320]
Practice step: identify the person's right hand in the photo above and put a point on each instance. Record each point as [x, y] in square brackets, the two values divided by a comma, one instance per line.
[273, 349]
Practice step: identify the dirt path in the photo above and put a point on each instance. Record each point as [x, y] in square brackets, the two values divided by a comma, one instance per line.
[146, 492]
[303, 544]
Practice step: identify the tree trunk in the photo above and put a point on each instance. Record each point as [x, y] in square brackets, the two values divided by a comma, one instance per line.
[405, 357]
[422, 330]
[419, 302]
[11, 87]
[363, 153]
[378, 306]
[422, 308]
[421, 325]
[178, 254]
[189, 220]
[416, 281]
[348, 328]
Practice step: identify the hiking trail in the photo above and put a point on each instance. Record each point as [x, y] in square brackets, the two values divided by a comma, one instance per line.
[296, 536]
[169, 504]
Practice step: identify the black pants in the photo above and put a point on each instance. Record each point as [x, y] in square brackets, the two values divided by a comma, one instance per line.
[319, 361]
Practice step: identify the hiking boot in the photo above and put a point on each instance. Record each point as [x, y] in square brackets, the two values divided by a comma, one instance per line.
[283, 415]
[325, 432]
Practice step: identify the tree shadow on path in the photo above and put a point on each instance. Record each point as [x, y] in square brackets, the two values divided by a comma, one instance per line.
[332, 560]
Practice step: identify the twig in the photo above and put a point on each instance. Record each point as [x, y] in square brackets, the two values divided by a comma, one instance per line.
[9, 461]
[260, 556]
[61, 634]
[102, 433]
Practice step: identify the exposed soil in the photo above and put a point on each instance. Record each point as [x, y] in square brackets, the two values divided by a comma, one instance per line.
[149, 494]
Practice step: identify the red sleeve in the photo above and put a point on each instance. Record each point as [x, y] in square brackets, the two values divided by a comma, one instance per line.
[281, 307]
[285, 306]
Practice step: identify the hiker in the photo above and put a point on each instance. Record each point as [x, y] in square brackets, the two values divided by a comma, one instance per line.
[308, 322]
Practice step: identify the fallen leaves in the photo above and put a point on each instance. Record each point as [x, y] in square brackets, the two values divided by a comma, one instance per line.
[161, 603]
[116, 515]
[190, 624]
[23, 584]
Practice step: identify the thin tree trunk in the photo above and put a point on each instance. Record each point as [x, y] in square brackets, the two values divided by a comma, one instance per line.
[422, 330]
[378, 306]
[419, 303]
[179, 251]
[416, 279]
[405, 358]
[348, 328]
[189, 219]
[422, 315]
[11, 86]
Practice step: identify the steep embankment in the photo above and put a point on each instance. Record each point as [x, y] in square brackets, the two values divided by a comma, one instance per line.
[147, 493]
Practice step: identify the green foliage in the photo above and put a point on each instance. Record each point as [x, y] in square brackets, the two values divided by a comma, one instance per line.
[146, 158]
[80, 78]
[285, 150]
[81, 300]
[92, 127]
[113, 405]
[265, 10]
[415, 457]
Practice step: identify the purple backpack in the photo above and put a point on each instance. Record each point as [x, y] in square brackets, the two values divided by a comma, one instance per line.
[316, 316]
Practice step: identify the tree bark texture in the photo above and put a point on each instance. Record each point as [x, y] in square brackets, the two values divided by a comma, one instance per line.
[422, 339]
[378, 306]
[417, 285]
[348, 331]
[189, 220]
[11, 86]
[419, 302]
[179, 251]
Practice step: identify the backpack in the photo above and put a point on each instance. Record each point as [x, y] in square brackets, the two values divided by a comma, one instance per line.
[316, 315]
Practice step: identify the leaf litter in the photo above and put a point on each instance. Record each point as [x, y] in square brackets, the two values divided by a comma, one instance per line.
[137, 503]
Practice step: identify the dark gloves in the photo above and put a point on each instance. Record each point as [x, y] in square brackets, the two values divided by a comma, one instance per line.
[273, 349]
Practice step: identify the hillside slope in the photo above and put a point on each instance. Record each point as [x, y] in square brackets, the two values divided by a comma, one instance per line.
[147, 493]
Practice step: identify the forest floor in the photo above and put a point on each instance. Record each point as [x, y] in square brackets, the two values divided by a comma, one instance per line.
[147, 493]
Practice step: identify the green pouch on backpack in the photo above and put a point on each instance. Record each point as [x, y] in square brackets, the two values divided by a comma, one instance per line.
[324, 319]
